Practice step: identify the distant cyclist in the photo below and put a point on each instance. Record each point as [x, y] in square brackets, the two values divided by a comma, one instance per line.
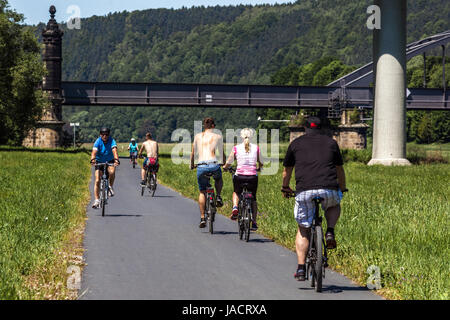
[104, 151]
[248, 156]
[205, 144]
[152, 150]
[319, 172]
[133, 148]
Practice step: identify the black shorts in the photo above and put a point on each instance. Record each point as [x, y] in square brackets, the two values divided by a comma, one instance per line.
[252, 184]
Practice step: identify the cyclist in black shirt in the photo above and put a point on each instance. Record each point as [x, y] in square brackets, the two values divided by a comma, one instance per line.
[318, 172]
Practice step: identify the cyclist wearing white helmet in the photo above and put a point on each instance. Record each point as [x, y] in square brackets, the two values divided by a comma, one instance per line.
[133, 148]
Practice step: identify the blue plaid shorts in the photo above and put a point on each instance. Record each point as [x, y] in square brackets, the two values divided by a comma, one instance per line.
[304, 206]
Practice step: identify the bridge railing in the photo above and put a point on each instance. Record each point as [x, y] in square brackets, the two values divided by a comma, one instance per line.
[240, 96]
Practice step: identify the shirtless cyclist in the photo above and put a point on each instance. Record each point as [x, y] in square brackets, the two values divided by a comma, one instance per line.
[205, 144]
[152, 150]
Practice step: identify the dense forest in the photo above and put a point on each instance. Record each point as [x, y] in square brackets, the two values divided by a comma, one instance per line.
[21, 71]
[316, 41]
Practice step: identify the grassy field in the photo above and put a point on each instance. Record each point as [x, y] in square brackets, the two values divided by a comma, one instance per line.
[43, 198]
[395, 218]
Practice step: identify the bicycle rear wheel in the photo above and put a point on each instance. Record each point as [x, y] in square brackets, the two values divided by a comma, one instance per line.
[211, 217]
[319, 255]
[248, 221]
[310, 262]
[241, 222]
[153, 184]
[208, 214]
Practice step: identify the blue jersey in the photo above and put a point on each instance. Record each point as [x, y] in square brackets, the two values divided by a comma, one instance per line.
[133, 148]
[104, 150]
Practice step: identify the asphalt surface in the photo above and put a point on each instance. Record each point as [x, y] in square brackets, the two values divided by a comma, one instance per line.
[152, 249]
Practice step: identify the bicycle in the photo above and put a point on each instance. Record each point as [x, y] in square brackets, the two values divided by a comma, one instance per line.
[150, 180]
[104, 185]
[210, 205]
[316, 258]
[133, 157]
[245, 210]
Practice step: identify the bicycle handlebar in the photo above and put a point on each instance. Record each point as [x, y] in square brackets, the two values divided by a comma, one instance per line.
[104, 164]
[204, 163]
[289, 194]
[233, 170]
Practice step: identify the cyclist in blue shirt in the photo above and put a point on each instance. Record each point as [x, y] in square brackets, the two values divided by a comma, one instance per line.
[133, 148]
[104, 150]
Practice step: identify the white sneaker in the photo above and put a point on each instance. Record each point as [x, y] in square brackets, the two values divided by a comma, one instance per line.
[96, 204]
[111, 191]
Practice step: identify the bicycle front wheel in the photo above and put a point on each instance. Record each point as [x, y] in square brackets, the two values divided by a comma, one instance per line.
[103, 197]
[319, 258]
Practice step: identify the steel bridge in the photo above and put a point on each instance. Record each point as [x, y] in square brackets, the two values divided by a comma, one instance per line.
[238, 96]
[351, 91]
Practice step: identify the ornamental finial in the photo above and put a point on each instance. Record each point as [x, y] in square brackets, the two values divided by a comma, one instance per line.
[52, 11]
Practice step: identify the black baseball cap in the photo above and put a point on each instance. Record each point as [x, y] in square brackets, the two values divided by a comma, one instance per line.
[313, 123]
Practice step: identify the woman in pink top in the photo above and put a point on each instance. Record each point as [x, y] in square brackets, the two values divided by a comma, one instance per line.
[248, 156]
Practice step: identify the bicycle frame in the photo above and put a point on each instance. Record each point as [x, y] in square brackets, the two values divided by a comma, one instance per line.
[245, 217]
[313, 258]
[104, 185]
[210, 205]
[150, 174]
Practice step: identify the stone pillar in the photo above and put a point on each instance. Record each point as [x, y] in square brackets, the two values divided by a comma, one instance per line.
[48, 134]
[389, 135]
[348, 136]
[295, 132]
[352, 136]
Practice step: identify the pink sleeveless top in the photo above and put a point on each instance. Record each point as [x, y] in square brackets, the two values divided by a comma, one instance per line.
[246, 162]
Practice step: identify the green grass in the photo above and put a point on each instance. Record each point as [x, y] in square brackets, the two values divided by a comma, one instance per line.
[395, 218]
[42, 197]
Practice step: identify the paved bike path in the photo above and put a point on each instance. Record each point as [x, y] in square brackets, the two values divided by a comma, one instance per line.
[152, 248]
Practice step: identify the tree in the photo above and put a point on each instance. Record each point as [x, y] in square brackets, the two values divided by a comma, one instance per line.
[21, 102]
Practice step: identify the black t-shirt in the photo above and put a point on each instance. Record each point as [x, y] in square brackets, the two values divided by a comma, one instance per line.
[315, 157]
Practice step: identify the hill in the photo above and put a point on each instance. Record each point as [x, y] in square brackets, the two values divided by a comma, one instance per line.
[243, 44]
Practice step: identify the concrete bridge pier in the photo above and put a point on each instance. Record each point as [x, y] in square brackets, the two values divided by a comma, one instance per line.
[389, 133]
[48, 134]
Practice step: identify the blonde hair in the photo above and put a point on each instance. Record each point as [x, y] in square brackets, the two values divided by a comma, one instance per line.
[246, 135]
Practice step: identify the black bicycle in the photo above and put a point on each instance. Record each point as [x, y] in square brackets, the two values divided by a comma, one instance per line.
[104, 185]
[316, 258]
[150, 180]
[133, 158]
[210, 204]
[245, 215]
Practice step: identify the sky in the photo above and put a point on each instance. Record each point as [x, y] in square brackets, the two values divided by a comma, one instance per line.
[36, 11]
